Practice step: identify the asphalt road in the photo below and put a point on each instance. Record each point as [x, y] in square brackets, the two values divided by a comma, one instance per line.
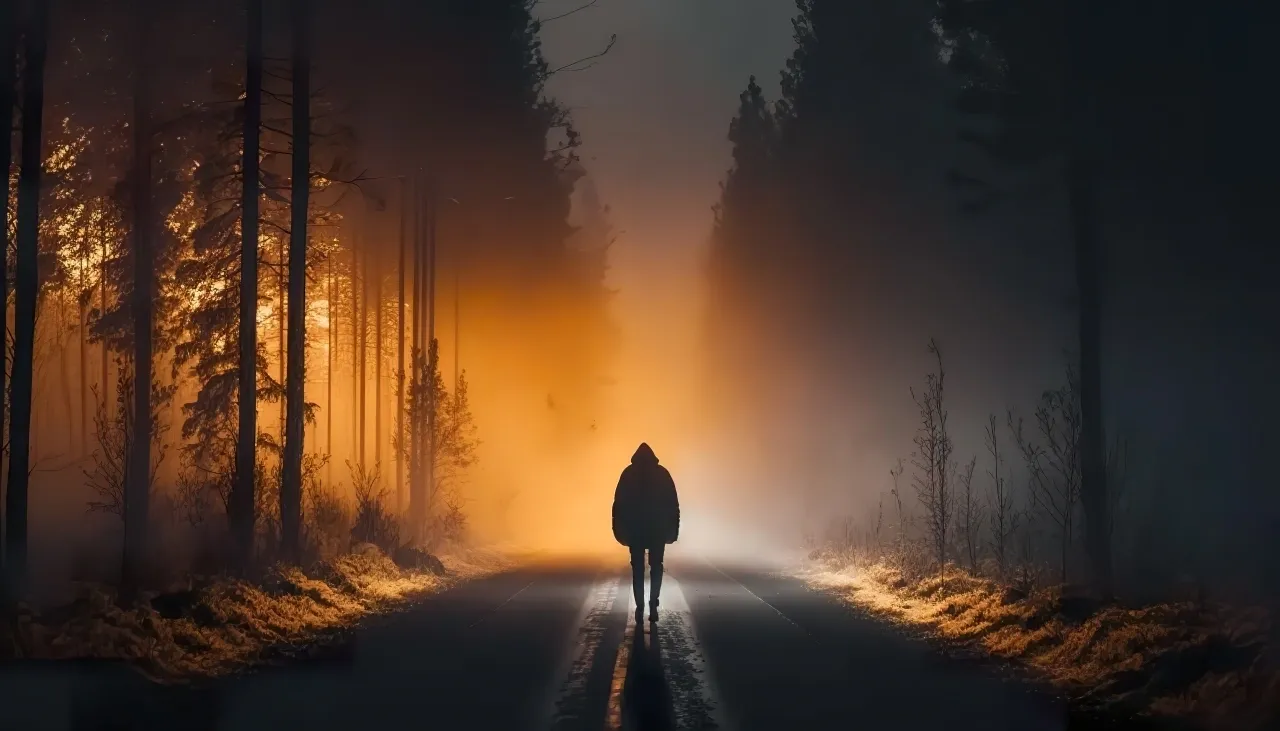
[557, 647]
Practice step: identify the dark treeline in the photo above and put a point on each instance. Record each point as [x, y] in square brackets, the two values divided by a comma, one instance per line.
[413, 192]
[1072, 199]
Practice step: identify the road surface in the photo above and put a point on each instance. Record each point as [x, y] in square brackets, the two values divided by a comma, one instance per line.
[557, 648]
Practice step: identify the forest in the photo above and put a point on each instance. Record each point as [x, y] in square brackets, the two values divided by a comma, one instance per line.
[310, 313]
[1002, 269]
[826, 245]
[215, 200]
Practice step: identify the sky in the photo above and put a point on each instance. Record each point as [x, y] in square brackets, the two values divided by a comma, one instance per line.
[654, 115]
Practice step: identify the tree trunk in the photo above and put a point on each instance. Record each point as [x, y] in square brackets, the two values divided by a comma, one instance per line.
[400, 395]
[362, 330]
[8, 43]
[457, 324]
[26, 291]
[415, 417]
[364, 338]
[1082, 191]
[83, 312]
[138, 472]
[1093, 463]
[242, 504]
[433, 357]
[291, 485]
[377, 364]
[105, 351]
[64, 378]
[355, 342]
[1063, 550]
[282, 327]
[328, 399]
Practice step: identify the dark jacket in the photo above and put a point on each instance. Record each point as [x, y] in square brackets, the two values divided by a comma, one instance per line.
[646, 511]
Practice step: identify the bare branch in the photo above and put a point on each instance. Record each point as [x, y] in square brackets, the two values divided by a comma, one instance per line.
[576, 10]
[932, 458]
[575, 66]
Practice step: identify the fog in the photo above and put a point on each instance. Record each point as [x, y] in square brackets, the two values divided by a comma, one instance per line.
[839, 418]
[803, 401]
[767, 358]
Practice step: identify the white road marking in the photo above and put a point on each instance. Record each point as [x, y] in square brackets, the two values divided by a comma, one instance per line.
[493, 611]
[689, 685]
[757, 596]
[690, 688]
[571, 676]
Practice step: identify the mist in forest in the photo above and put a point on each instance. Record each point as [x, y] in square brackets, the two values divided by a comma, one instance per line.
[441, 172]
[728, 229]
[868, 206]
[888, 192]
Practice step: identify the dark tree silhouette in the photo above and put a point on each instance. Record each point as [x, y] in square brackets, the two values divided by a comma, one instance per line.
[26, 294]
[8, 43]
[291, 483]
[400, 433]
[1034, 67]
[138, 474]
[413, 435]
[241, 504]
[210, 265]
[506, 152]
[804, 210]
[454, 440]
[743, 231]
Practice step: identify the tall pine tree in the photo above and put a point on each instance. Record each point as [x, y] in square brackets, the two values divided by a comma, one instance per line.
[506, 152]
[26, 295]
[1036, 68]
[743, 236]
[291, 473]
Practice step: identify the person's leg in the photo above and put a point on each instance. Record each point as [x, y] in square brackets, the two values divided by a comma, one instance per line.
[655, 576]
[637, 575]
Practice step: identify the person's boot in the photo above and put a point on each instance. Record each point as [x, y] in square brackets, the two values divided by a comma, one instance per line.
[653, 611]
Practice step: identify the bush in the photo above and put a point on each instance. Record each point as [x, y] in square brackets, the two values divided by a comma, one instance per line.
[374, 521]
[327, 523]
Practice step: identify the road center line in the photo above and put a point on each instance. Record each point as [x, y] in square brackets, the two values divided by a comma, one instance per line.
[613, 718]
[673, 681]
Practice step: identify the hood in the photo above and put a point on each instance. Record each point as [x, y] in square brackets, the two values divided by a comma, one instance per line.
[644, 455]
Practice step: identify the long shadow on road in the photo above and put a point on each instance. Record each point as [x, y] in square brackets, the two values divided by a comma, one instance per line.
[646, 694]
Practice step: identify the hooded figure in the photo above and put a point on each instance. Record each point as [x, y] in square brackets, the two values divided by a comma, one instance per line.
[646, 517]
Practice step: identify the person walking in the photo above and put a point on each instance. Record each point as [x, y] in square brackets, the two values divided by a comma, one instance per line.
[646, 518]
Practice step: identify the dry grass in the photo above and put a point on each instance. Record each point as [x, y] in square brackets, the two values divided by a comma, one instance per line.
[1204, 663]
[222, 624]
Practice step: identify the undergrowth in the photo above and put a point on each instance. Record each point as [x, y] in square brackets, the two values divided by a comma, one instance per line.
[1206, 663]
[216, 625]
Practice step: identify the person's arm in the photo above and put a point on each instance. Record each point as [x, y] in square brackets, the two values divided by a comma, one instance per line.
[673, 508]
[618, 519]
